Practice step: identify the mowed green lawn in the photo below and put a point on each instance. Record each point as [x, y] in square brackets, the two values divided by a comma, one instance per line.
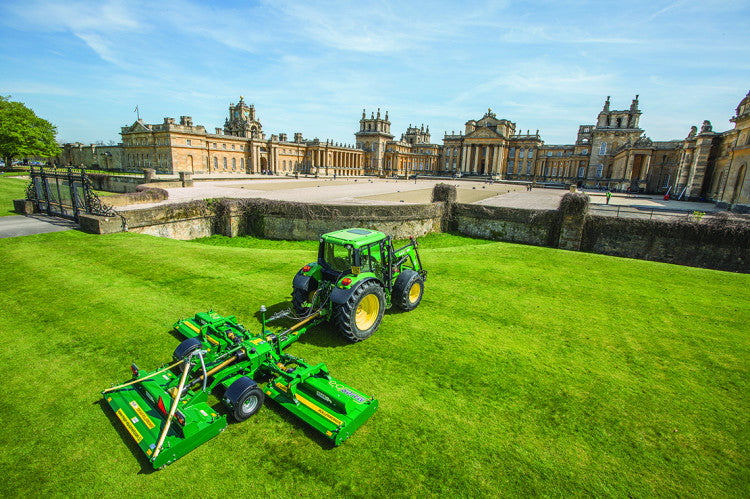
[525, 371]
[10, 189]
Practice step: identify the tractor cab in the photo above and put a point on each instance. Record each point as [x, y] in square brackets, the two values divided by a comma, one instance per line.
[352, 251]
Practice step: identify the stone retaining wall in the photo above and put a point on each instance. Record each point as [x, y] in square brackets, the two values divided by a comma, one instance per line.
[723, 245]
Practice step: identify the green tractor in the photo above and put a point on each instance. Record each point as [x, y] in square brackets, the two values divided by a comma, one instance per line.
[358, 275]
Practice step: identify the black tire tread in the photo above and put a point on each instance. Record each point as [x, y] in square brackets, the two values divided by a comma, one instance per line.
[344, 313]
[401, 287]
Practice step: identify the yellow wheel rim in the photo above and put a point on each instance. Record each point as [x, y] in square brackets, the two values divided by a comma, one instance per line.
[367, 312]
[414, 292]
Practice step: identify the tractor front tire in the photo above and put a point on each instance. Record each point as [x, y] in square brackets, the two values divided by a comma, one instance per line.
[407, 290]
[361, 315]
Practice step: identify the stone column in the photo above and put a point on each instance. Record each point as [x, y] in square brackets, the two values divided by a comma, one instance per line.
[628, 167]
[495, 159]
[463, 159]
[476, 159]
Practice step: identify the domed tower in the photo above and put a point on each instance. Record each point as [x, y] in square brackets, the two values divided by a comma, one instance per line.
[242, 121]
[374, 132]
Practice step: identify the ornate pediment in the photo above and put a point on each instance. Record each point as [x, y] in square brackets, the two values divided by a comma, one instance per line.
[139, 126]
[483, 133]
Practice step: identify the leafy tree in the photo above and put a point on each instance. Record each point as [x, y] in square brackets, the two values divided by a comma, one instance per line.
[23, 134]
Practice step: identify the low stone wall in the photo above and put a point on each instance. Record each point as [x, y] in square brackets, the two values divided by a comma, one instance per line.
[114, 183]
[176, 221]
[126, 184]
[145, 193]
[299, 221]
[536, 227]
[721, 245]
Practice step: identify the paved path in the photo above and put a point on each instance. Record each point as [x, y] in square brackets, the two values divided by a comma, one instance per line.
[22, 225]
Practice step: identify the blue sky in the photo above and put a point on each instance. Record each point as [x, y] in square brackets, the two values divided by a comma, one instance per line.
[312, 67]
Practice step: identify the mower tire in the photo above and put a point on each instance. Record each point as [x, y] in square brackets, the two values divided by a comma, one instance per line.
[360, 316]
[407, 290]
[244, 398]
[183, 349]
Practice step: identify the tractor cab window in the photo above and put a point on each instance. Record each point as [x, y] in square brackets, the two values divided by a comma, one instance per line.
[370, 259]
[337, 258]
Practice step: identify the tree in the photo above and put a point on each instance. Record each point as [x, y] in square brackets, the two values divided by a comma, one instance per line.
[23, 134]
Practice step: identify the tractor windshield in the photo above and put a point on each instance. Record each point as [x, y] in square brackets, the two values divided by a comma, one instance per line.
[337, 258]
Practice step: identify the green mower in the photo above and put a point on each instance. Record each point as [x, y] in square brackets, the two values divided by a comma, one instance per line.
[357, 275]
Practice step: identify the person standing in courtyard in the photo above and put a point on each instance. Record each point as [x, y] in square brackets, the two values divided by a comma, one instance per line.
[609, 195]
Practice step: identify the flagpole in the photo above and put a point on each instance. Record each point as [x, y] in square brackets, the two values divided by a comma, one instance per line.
[137, 113]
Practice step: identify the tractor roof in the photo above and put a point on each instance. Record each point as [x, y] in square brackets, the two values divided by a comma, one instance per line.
[355, 237]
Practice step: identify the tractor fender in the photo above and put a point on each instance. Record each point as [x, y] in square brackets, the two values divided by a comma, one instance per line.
[340, 296]
[304, 282]
[237, 389]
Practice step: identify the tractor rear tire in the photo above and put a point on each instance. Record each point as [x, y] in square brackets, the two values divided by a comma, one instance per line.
[300, 296]
[361, 315]
[183, 349]
[407, 290]
[244, 398]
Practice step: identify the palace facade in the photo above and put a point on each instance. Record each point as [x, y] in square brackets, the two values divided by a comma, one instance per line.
[613, 153]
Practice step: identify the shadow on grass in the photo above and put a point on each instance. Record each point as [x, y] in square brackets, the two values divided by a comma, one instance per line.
[146, 466]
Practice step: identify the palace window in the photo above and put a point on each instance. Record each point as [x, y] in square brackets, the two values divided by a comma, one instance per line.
[234, 163]
[554, 172]
[528, 168]
[242, 163]
[520, 153]
[225, 163]
[511, 152]
[531, 153]
[599, 169]
[510, 166]
[603, 148]
[216, 163]
[214, 145]
[233, 147]
[223, 146]
[187, 141]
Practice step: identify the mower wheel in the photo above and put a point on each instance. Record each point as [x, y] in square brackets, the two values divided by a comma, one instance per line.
[360, 316]
[300, 296]
[185, 348]
[407, 290]
[244, 398]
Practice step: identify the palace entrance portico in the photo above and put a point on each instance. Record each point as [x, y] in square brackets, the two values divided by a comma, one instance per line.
[481, 157]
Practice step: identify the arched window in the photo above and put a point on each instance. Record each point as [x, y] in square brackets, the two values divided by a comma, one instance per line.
[234, 163]
[216, 163]
[225, 163]
[603, 148]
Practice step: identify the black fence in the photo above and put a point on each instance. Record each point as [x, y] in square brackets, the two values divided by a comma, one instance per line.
[65, 193]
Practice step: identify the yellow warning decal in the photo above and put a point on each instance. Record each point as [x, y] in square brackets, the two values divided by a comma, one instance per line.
[281, 387]
[333, 419]
[144, 417]
[191, 326]
[212, 340]
[129, 426]
[256, 341]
